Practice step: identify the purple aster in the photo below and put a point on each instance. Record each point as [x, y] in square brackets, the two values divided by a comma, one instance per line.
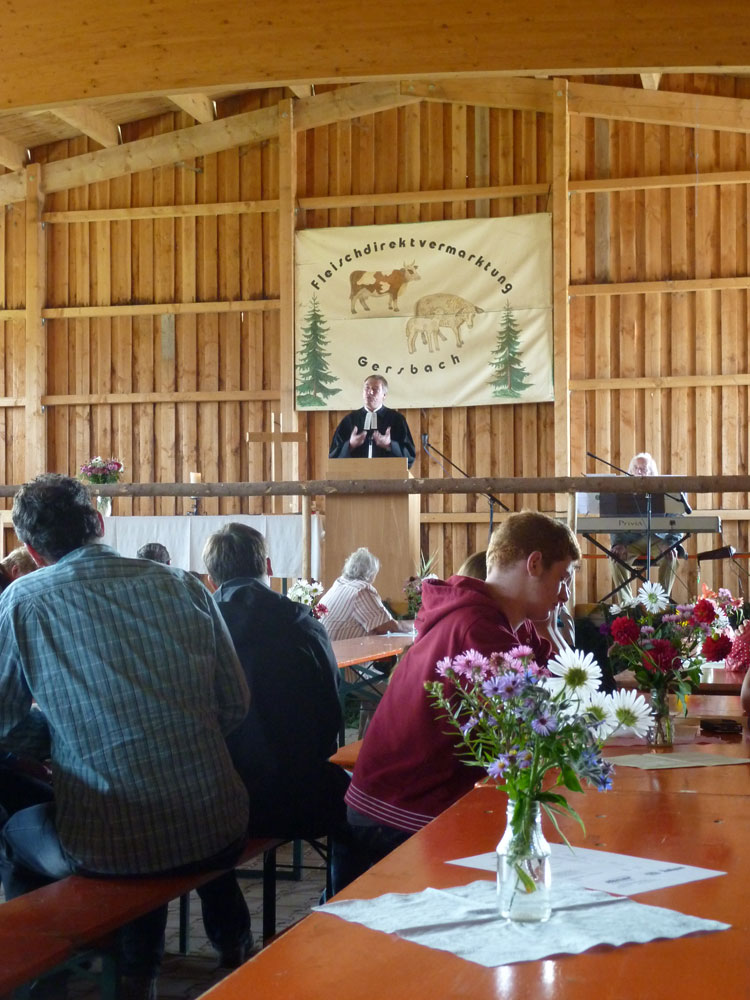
[467, 727]
[509, 685]
[466, 663]
[443, 666]
[498, 767]
[495, 686]
[544, 724]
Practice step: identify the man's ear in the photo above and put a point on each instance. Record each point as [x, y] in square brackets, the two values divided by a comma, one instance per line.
[101, 525]
[211, 584]
[535, 564]
[39, 560]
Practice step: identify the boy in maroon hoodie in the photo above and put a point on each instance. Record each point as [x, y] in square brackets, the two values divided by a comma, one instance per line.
[408, 770]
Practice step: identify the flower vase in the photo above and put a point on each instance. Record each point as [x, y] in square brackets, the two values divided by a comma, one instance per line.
[660, 733]
[523, 865]
[104, 505]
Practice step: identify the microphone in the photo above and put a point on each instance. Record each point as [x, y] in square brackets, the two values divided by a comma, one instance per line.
[685, 504]
[424, 441]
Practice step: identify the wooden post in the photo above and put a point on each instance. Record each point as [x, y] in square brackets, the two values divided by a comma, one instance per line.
[36, 336]
[306, 538]
[287, 206]
[561, 276]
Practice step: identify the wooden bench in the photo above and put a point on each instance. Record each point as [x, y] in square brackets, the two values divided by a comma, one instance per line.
[51, 926]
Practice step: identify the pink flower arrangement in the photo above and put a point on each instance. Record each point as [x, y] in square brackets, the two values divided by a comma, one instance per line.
[101, 471]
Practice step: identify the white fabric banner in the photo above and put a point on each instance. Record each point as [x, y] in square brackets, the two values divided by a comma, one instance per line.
[452, 313]
[185, 536]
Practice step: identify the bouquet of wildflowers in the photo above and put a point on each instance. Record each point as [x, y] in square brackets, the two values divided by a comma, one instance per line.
[101, 471]
[525, 724]
[307, 592]
[665, 646]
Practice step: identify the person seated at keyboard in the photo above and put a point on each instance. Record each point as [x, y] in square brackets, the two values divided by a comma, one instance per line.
[631, 545]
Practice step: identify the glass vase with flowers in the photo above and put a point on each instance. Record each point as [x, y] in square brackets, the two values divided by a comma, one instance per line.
[666, 646]
[536, 731]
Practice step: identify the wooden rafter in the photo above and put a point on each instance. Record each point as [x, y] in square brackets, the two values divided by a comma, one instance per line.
[145, 154]
[660, 107]
[519, 93]
[12, 156]
[349, 102]
[91, 122]
[198, 106]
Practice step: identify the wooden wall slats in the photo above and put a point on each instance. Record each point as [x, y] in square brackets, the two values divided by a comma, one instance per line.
[629, 234]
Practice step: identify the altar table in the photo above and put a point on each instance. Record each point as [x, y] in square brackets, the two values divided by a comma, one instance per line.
[185, 536]
[324, 956]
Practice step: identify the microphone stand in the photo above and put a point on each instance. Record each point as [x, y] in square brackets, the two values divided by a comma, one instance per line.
[430, 448]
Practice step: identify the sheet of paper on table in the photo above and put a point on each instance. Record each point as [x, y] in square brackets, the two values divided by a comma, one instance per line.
[619, 873]
[683, 758]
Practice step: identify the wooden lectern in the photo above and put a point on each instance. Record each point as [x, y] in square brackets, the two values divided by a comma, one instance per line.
[386, 524]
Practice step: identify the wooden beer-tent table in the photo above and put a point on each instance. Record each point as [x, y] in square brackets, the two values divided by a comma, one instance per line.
[665, 815]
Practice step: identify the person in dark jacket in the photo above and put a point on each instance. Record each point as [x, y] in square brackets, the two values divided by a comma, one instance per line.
[281, 749]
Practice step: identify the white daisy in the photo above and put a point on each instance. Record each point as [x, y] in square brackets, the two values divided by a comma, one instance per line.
[599, 707]
[631, 711]
[653, 597]
[576, 671]
[627, 600]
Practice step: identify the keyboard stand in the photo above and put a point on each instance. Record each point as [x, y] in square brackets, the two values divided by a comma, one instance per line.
[636, 572]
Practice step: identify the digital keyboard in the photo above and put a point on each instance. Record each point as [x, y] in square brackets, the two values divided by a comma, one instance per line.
[679, 524]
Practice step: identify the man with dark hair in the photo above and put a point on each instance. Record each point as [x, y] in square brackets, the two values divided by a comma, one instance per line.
[154, 551]
[374, 431]
[137, 677]
[281, 749]
[408, 770]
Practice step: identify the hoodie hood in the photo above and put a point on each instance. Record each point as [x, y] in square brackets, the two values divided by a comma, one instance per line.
[443, 597]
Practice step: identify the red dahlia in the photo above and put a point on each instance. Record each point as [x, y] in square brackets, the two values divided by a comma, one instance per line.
[625, 631]
[661, 657]
[704, 611]
[716, 649]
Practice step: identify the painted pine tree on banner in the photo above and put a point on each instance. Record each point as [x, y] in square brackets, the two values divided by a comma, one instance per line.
[510, 375]
[314, 380]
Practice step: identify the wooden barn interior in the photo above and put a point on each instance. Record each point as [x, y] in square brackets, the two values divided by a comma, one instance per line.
[158, 159]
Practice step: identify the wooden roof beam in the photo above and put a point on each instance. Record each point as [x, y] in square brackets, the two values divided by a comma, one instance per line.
[349, 102]
[627, 104]
[519, 93]
[91, 122]
[12, 155]
[198, 106]
[145, 154]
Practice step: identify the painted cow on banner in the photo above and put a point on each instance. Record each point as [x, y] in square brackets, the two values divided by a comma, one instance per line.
[362, 284]
[451, 311]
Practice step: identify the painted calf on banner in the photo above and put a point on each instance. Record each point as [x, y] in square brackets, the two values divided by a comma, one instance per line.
[451, 311]
[362, 284]
[428, 327]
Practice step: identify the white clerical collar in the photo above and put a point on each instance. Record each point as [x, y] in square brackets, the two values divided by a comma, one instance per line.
[371, 419]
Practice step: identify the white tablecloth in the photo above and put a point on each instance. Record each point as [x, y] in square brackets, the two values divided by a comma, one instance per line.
[185, 536]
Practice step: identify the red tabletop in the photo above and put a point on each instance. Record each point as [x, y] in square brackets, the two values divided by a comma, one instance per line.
[324, 957]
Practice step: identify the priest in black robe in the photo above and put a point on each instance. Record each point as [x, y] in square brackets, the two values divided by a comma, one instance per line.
[373, 431]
